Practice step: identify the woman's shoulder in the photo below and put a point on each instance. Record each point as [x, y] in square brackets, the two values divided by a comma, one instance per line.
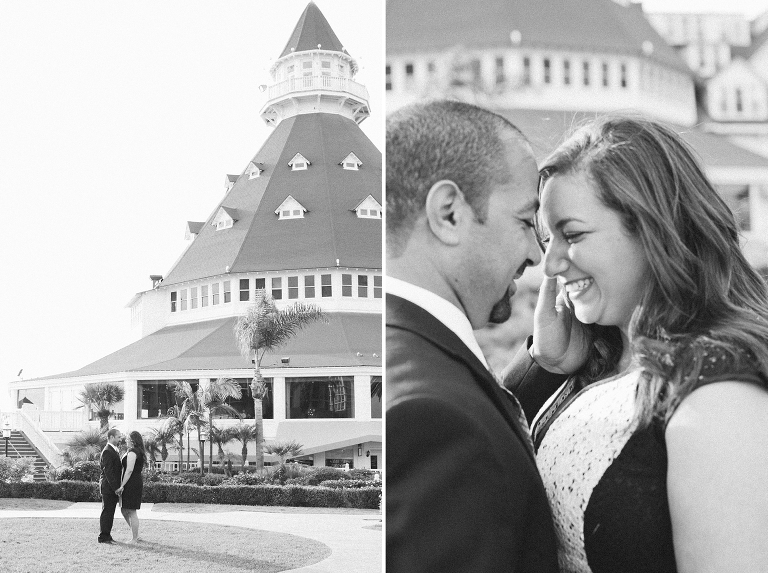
[706, 361]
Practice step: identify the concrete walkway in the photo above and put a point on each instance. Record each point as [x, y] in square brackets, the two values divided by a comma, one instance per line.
[354, 545]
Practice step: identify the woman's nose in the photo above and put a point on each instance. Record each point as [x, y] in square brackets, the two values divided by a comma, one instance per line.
[555, 259]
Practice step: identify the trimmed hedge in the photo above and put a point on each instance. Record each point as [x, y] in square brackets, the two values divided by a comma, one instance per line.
[156, 492]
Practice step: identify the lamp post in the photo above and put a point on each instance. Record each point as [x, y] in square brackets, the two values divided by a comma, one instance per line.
[6, 434]
[203, 437]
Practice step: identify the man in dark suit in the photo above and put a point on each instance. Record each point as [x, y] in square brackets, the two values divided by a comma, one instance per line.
[111, 470]
[463, 490]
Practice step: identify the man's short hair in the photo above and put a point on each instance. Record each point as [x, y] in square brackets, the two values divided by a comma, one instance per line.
[112, 432]
[441, 140]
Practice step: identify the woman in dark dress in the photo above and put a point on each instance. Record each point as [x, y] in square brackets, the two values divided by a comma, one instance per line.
[653, 452]
[131, 486]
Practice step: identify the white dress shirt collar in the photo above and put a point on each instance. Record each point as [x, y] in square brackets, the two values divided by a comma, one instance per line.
[444, 311]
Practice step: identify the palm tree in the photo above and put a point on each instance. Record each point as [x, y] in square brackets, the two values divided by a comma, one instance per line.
[193, 412]
[99, 398]
[245, 433]
[285, 450]
[86, 445]
[163, 436]
[175, 426]
[220, 437]
[213, 398]
[152, 447]
[262, 329]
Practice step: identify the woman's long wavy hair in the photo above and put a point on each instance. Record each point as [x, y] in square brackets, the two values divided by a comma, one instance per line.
[138, 444]
[701, 291]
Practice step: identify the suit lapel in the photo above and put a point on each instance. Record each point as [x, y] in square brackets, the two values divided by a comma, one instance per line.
[408, 316]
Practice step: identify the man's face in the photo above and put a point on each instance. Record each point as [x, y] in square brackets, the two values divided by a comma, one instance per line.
[498, 250]
[115, 440]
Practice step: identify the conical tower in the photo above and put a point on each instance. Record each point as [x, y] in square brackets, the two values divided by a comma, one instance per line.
[302, 221]
[314, 73]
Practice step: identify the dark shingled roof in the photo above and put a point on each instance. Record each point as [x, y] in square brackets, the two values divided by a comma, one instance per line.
[548, 129]
[312, 29]
[211, 345]
[601, 26]
[258, 241]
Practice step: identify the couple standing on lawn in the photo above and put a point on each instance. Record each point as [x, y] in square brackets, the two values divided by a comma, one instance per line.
[121, 483]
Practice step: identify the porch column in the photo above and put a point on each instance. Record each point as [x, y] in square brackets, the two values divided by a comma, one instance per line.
[362, 390]
[130, 402]
[278, 395]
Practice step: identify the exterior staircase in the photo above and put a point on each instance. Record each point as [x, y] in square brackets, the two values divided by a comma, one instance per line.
[20, 447]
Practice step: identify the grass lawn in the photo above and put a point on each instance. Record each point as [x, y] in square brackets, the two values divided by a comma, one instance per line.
[217, 508]
[34, 545]
[33, 504]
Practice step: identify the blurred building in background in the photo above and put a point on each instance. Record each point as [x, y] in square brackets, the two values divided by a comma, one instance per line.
[547, 66]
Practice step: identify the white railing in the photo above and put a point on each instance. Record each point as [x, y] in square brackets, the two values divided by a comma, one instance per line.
[310, 83]
[24, 423]
[55, 421]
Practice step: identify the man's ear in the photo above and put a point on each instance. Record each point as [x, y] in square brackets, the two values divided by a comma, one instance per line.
[447, 211]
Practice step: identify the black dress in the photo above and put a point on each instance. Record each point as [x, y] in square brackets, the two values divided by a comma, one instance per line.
[606, 478]
[135, 485]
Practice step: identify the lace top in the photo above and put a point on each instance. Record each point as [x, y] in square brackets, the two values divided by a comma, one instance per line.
[606, 479]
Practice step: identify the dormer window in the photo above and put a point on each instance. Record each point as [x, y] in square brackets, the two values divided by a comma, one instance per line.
[193, 230]
[307, 65]
[290, 209]
[368, 208]
[254, 170]
[229, 182]
[351, 162]
[299, 163]
[225, 218]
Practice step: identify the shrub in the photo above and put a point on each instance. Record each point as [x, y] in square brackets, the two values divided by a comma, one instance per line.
[350, 483]
[80, 471]
[158, 492]
[16, 470]
[246, 479]
[315, 476]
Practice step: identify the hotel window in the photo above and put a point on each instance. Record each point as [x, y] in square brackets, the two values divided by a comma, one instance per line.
[193, 297]
[260, 284]
[319, 397]
[204, 295]
[623, 75]
[173, 301]
[567, 72]
[377, 286]
[526, 71]
[346, 285]
[547, 71]
[245, 289]
[183, 301]
[227, 291]
[739, 102]
[362, 286]
[499, 70]
[388, 80]
[293, 287]
[325, 64]
[244, 405]
[215, 293]
[408, 74]
[605, 74]
[306, 65]
[155, 398]
[277, 288]
[326, 289]
[585, 68]
[375, 397]
[309, 286]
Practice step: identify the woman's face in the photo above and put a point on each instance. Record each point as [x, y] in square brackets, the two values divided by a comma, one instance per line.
[128, 442]
[602, 268]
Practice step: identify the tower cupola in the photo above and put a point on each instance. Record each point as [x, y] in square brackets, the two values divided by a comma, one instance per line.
[314, 74]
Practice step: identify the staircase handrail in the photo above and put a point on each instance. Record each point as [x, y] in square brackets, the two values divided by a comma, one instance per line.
[21, 421]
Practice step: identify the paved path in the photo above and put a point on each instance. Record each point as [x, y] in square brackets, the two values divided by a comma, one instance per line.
[355, 547]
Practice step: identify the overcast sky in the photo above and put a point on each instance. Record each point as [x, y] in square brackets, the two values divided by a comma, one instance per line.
[118, 123]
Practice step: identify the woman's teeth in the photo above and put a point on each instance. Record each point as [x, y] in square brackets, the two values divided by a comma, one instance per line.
[579, 285]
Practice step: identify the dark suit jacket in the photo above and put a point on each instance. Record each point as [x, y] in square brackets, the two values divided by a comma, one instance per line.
[463, 490]
[111, 470]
